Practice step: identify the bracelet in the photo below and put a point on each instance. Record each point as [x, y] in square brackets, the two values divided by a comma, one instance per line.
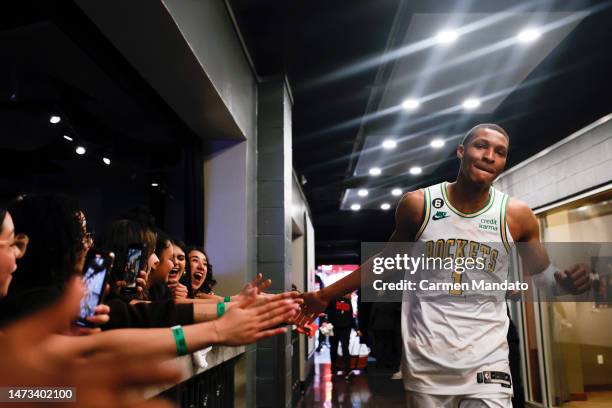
[227, 299]
[179, 339]
[220, 309]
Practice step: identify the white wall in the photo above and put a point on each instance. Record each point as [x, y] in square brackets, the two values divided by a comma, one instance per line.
[580, 162]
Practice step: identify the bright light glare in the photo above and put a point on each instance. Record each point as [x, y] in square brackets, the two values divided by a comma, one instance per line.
[68, 138]
[471, 103]
[396, 192]
[410, 104]
[362, 193]
[389, 144]
[447, 36]
[55, 119]
[154, 184]
[355, 207]
[106, 161]
[437, 143]
[375, 171]
[385, 206]
[80, 150]
[415, 170]
[528, 35]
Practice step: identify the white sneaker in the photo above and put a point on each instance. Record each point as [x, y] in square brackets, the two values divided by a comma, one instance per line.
[397, 376]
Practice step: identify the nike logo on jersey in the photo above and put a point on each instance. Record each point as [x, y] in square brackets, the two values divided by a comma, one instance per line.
[439, 215]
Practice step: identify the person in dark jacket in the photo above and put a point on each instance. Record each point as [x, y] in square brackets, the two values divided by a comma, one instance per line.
[340, 315]
[386, 338]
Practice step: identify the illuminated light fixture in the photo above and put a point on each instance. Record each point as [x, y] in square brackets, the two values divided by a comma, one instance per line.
[437, 143]
[375, 171]
[447, 36]
[396, 192]
[389, 144]
[355, 207]
[410, 104]
[80, 150]
[106, 161]
[154, 184]
[528, 35]
[68, 138]
[385, 206]
[362, 193]
[55, 119]
[471, 103]
[415, 170]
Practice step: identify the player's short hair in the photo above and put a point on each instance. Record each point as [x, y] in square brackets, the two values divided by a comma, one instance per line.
[491, 126]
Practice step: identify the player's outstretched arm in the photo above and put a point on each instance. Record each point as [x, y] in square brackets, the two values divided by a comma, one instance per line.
[408, 218]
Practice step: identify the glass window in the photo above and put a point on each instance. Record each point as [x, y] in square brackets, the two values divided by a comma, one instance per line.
[581, 333]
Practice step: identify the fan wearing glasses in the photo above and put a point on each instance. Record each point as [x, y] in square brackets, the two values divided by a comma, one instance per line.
[12, 247]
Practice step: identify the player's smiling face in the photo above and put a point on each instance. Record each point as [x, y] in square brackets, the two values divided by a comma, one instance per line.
[484, 157]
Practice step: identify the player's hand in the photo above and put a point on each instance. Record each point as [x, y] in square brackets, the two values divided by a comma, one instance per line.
[359, 333]
[575, 280]
[513, 294]
[314, 305]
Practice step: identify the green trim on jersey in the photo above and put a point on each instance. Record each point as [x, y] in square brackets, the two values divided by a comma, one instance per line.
[426, 213]
[503, 211]
[486, 207]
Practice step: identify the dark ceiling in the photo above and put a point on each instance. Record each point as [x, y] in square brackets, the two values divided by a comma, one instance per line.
[331, 53]
[53, 60]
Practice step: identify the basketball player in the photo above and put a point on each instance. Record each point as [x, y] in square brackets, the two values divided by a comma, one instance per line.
[456, 353]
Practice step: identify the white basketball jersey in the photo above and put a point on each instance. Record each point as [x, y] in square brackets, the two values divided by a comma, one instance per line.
[448, 343]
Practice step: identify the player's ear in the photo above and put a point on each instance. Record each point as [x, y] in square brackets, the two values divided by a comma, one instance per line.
[460, 151]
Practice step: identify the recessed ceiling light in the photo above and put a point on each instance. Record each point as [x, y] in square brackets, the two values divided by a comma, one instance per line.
[355, 207]
[389, 144]
[471, 103]
[437, 143]
[396, 192]
[528, 35]
[154, 184]
[68, 138]
[385, 206]
[362, 193]
[447, 36]
[375, 171]
[106, 161]
[411, 104]
[416, 170]
[54, 119]
[80, 150]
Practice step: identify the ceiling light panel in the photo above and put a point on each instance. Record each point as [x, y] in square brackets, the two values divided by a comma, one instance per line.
[485, 58]
[373, 201]
[393, 162]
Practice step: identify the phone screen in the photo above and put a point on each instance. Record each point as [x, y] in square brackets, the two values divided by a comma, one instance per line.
[94, 277]
[132, 265]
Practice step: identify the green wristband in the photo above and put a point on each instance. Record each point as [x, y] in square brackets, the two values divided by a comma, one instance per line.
[220, 309]
[227, 299]
[179, 339]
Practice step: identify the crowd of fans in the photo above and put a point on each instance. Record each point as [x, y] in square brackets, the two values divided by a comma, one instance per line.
[172, 310]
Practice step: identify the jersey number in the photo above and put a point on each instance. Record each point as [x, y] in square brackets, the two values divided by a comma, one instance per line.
[456, 276]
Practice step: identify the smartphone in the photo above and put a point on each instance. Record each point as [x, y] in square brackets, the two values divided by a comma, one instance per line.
[95, 275]
[135, 261]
